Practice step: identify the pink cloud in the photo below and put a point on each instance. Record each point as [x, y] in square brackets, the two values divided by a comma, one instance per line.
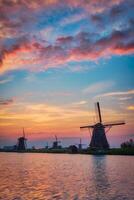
[25, 12]
[5, 102]
[32, 55]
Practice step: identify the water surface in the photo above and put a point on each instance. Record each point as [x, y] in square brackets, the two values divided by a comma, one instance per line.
[27, 176]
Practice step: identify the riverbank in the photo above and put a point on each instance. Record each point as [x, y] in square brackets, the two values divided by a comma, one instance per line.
[113, 151]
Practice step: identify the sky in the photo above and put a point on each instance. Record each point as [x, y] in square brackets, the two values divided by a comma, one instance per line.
[57, 58]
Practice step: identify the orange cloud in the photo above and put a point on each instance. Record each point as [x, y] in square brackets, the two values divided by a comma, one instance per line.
[47, 118]
[130, 107]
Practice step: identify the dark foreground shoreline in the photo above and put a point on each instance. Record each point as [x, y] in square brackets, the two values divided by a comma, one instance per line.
[114, 151]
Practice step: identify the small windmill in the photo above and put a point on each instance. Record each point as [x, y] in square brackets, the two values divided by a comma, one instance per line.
[21, 146]
[80, 144]
[46, 147]
[98, 138]
[55, 143]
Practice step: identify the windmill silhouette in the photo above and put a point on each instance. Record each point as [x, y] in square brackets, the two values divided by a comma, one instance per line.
[80, 144]
[46, 147]
[55, 143]
[21, 146]
[98, 138]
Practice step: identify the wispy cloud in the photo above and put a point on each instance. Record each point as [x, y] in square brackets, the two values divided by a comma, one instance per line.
[31, 77]
[118, 93]
[125, 98]
[80, 68]
[98, 87]
[72, 19]
[80, 103]
[6, 80]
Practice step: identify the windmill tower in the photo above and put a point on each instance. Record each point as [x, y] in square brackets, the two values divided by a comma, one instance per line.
[21, 146]
[98, 139]
[55, 143]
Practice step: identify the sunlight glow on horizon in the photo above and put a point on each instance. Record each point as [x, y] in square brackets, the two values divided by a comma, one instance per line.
[57, 59]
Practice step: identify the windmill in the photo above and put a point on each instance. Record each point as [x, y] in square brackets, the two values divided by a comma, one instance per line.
[46, 147]
[98, 138]
[80, 144]
[21, 146]
[55, 143]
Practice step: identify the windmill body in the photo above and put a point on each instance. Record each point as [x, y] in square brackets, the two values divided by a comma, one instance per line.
[99, 139]
[56, 143]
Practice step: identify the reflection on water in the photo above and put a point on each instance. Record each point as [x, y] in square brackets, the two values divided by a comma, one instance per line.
[100, 178]
[65, 177]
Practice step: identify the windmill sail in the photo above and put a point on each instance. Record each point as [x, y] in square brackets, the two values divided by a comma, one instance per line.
[114, 123]
[23, 133]
[98, 112]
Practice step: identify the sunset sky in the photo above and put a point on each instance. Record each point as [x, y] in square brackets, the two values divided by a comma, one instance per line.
[57, 58]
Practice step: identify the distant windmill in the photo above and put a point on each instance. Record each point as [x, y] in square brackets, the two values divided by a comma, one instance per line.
[21, 146]
[55, 143]
[80, 144]
[46, 147]
[98, 139]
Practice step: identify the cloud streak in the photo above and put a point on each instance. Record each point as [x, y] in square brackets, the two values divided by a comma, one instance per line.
[5, 102]
[118, 93]
[6, 80]
[98, 87]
